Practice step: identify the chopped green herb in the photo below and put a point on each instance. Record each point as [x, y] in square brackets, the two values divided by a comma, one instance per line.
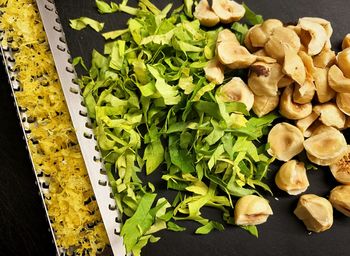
[83, 22]
[152, 108]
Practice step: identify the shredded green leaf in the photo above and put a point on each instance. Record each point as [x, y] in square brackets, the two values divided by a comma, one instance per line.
[83, 22]
[251, 16]
[152, 108]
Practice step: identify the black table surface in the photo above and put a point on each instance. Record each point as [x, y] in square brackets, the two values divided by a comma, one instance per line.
[24, 229]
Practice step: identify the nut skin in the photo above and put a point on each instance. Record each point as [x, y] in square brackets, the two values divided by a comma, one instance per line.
[286, 141]
[292, 178]
[341, 168]
[292, 110]
[251, 210]
[316, 212]
[340, 199]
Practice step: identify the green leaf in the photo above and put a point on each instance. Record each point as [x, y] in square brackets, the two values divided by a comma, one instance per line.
[188, 4]
[114, 34]
[79, 60]
[207, 88]
[104, 7]
[169, 93]
[83, 22]
[252, 230]
[207, 228]
[180, 157]
[139, 223]
[154, 156]
[252, 17]
[240, 31]
[123, 7]
[174, 227]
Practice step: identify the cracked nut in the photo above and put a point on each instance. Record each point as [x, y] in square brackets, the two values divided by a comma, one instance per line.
[292, 178]
[325, 146]
[340, 199]
[292, 110]
[237, 90]
[341, 169]
[316, 212]
[251, 210]
[286, 141]
[264, 77]
[205, 14]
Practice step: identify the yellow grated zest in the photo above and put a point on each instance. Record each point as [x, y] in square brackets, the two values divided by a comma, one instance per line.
[74, 214]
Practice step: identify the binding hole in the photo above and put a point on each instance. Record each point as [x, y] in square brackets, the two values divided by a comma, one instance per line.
[74, 81]
[111, 195]
[62, 40]
[96, 159]
[82, 113]
[88, 125]
[82, 103]
[48, 8]
[102, 183]
[103, 172]
[73, 90]
[97, 149]
[45, 185]
[87, 135]
[61, 48]
[59, 30]
[70, 70]
[112, 207]
[58, 20]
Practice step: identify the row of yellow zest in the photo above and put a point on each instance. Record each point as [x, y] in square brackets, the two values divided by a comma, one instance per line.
[73, 211]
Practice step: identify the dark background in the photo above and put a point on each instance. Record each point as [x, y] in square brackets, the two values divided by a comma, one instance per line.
[23, 227]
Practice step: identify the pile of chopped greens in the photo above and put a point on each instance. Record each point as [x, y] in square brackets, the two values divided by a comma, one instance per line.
[154, 111]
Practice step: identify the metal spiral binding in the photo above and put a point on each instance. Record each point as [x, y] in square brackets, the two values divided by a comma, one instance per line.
[78, 112]
[42, 180]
